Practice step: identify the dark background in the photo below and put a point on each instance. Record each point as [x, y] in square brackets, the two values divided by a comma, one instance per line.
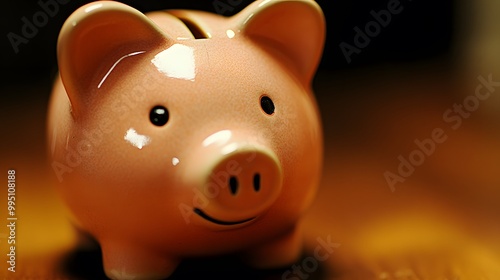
[424, 30]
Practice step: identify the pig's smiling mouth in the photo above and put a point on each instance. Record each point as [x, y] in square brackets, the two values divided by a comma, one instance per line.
[219, 222]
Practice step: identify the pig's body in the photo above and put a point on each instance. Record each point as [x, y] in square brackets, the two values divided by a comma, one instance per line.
[154, 194]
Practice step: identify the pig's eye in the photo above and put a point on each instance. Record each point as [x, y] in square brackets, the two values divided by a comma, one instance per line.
[158, 116]
[267, 105]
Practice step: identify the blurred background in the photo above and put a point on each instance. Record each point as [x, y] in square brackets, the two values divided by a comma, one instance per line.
[379, 95]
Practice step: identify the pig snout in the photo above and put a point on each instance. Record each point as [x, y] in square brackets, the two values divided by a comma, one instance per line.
[239, 183]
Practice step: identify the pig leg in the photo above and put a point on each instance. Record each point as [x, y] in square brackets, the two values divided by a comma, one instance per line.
[279, 252]
[85, 240]
[131, 262]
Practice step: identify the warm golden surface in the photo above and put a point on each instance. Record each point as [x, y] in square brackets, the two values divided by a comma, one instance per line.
[442, 223]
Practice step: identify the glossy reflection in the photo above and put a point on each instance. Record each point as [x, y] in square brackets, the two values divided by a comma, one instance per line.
[176, 62]
[230, 148]
[116, 63]
[230, 33]
[93, 7]
[219, 138]
[137, 140]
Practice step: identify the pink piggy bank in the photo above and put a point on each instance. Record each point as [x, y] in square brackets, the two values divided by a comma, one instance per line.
[182, 134]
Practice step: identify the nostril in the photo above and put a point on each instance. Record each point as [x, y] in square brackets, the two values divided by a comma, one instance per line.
[233, 185]
[256, 182]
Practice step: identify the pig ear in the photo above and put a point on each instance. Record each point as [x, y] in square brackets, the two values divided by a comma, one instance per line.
[97, 33]
[295, 28]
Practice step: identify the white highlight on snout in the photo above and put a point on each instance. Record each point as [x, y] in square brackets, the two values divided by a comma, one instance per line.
[229, 148]
[175, 161]
[263, 3]
[93, 7]
[176, 62]
[219, 138]
[137, 140]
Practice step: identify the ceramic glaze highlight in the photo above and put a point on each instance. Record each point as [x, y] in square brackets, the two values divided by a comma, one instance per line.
[171, 140]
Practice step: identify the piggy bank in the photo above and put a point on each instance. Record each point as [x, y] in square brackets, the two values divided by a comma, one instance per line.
[182, 134]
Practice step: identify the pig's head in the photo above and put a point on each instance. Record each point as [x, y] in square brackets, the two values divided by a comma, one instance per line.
[188, 124]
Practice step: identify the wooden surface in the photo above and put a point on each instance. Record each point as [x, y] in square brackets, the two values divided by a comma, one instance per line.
[442, 223]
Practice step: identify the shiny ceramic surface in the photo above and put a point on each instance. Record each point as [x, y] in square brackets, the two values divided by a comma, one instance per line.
[183, 133]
